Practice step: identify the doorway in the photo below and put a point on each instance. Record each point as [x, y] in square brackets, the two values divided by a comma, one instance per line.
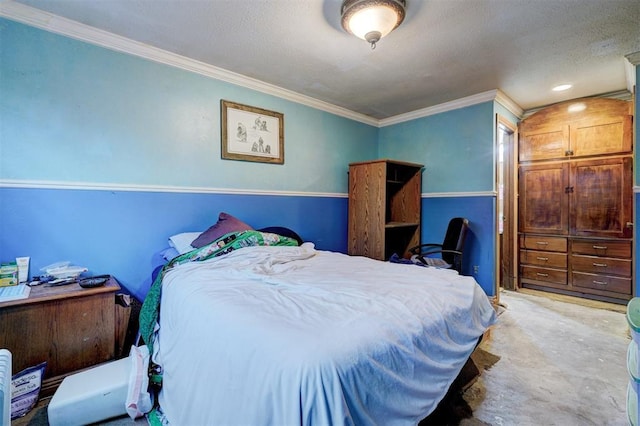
[506, 155]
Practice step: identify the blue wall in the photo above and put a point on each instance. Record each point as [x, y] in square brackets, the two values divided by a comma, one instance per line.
[120, 233]
[80, 122]
[72, 111]
[457, 150]
[105, 155]
[480, 243]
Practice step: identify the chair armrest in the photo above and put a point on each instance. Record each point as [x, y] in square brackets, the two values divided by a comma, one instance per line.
[457, 259]
[418, 249]
[456, 252]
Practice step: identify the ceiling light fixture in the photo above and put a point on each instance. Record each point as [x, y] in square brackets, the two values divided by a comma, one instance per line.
[561, 87]
[372, 19]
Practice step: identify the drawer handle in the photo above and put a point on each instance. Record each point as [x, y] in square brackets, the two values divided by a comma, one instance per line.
[600, 247]
[599, 265]
[540, 274]
[542, 243]
[542, 258]
[599, 282]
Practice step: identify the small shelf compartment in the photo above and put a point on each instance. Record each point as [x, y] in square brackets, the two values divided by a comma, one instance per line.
[384, 208]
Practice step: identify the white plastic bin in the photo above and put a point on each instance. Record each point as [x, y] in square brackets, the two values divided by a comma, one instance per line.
[633, 361]
[632, 405]
[632, 366]
[91, 395]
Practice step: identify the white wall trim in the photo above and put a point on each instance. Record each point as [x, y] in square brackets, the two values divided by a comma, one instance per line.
[56, 24]
[59, 25]
[35, 184]
[636, 189]
[459, 194]
[90, 186]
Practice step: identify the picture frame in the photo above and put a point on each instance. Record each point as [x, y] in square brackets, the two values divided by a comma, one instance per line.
[251, 134]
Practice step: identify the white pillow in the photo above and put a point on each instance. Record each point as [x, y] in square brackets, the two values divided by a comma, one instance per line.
[182, 241]
[169, 253]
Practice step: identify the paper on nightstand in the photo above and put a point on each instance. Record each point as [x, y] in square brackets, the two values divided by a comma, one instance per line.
[63, 270]
[14, 292]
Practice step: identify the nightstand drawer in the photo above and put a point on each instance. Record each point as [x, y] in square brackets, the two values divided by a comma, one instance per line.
[545, 259]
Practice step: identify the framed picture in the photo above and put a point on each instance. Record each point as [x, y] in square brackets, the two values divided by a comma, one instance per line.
[251, 134]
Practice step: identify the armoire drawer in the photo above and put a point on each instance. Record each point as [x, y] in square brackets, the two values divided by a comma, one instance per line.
[540, 242]
[555, 276]
[606, 248]
[546, 259]
[601, 265]
[602, 282]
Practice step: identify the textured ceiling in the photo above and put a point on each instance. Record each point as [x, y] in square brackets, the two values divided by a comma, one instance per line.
[444, 50]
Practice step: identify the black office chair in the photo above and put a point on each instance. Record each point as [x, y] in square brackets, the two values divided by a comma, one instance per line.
[450, 250]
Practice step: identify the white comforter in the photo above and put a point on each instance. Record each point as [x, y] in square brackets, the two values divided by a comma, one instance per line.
[296, 336]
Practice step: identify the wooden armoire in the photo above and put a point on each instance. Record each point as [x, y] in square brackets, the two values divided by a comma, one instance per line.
[384, 208]
[575, 199]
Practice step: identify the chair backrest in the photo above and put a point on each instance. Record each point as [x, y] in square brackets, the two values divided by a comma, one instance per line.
[454, 238]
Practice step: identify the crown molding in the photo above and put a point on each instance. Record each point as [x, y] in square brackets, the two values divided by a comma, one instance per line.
[621, 95]
[56, 24]
[488, 96]
[633, 58]
[509, 104]
[63, 26]
[630, 64]
[437, 109]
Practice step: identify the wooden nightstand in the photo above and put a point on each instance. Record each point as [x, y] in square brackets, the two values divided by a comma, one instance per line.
[70, 327]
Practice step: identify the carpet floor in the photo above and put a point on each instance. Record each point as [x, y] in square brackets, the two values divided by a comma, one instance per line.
[563, 362]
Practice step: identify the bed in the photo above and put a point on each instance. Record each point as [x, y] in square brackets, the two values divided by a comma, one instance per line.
[254, 329]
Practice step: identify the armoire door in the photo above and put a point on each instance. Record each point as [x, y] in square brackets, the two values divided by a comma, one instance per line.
[543, 201]
[601, 197]
[546, 142]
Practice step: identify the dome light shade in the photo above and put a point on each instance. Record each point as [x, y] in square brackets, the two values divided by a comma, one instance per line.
[371, 20]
